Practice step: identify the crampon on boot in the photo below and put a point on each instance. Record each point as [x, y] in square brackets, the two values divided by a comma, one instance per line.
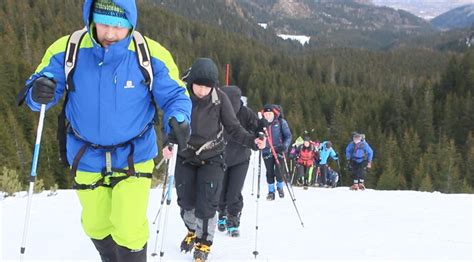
[355, 187]
[201, 251]
[221, 223]
[233, 231]
[188, 242]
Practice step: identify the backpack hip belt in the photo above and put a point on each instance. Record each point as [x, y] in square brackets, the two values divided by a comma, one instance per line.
[108, 170]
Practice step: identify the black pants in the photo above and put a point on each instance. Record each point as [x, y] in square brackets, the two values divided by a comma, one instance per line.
[358, 171]
[323, 169]
[199, 185]
[303, 172]
[231, 200]
[273, 171]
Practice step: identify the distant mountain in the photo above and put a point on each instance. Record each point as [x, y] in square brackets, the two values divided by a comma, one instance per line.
[328, 23]
[461, 17]
[336, 22]
[427, 9]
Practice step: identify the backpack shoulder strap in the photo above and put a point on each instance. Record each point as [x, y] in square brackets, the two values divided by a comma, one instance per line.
[215, 97]
[144, 58]
[70, 56]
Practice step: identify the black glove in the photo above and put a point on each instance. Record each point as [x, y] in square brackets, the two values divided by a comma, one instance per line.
[43, 90]
[280, 148]
[179, 133]
[262, 122]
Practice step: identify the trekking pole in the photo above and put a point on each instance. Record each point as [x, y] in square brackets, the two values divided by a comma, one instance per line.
[280, 169]
[34, 165]
[163, 196]
[255, 252]
[340, 171]
[158, 216]
[287, 173]
[293, 175]
[253, 175]
[171, 170]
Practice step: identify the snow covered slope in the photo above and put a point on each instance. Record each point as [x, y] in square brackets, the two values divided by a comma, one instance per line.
[339, 225]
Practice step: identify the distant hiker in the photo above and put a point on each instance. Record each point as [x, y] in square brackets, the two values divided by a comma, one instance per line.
[200, 166]
[359, 155]
[325, 151]
[111, 139]
[237, 158]
[332, 177]
[280, 135]
[306, 156]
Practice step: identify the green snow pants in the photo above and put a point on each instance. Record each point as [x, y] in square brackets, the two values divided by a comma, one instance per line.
[120, 211]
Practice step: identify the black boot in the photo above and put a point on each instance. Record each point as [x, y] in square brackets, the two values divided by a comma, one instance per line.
[281, 194]
[188, 242]
[222, 222]
[107, 249]
[131, 255]
[233, 223]
[271, 196]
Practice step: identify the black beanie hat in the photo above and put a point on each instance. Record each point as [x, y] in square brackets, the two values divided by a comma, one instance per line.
[203, 72]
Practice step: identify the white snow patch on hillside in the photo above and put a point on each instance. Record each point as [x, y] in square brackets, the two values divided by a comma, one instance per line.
[303, 39]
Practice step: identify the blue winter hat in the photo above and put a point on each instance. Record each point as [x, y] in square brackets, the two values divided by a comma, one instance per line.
[108, 13]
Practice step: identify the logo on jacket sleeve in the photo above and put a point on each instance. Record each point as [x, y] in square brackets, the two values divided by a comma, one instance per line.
[129, 84]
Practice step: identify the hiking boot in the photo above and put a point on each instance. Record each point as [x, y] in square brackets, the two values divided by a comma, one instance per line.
[201, 251]
[271, 196]
[305, 187]
[355, 187]
[188, 242]
[361, 186]
[281, 194]
[221, 224]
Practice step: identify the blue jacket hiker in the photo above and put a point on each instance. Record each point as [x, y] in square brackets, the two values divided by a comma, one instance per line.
[110, 109]
[280, 135]
[326, 150]
[359, 155]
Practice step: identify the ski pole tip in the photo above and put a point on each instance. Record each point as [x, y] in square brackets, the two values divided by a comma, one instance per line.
[255, 253]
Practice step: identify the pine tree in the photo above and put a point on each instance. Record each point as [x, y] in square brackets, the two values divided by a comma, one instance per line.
[388, 180]
[10, 182]
[426, 184]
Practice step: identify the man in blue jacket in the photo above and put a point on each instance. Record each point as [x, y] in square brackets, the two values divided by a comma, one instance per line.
[359, 155]
[111, 141]
[280, 136]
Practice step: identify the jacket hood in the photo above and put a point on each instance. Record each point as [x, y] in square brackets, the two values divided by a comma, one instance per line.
[129, 6]
[234, 93]
[204, 72]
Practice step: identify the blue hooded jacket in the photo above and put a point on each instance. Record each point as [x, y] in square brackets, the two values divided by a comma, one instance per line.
[280, 133]
[325, 153]
[111, 104]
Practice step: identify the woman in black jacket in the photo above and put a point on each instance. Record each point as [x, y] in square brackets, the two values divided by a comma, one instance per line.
[200, 166]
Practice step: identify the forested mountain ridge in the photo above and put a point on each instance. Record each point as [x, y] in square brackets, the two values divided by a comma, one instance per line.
[414, 104]
[460, 17]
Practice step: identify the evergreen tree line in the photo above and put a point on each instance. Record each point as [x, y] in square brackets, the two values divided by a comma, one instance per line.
[414, 105]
